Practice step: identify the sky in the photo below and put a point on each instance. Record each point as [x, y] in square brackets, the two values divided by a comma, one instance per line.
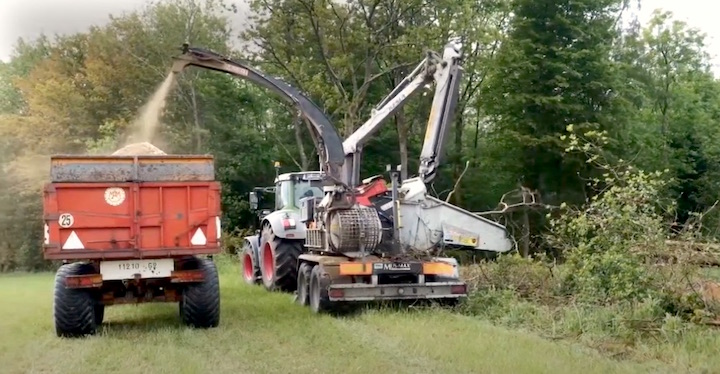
[29, 18]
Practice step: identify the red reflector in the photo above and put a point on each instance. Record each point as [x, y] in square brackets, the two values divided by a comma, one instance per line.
[288, 223]
[336, 293]
[458, 289]
[83, 281]
[179, 276]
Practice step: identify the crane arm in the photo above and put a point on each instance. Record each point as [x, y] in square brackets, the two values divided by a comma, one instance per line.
[442, 113]
[445, 70]
[325, 136]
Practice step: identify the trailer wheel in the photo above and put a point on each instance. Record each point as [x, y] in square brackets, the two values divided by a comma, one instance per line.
[99, 313]
[200, 302]
[303, 284]
[279, 261]
[251, 270]
[319, 299]
[73, 309]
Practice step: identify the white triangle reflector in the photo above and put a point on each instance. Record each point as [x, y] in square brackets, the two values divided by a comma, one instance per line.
[73, 242]
[199, 238]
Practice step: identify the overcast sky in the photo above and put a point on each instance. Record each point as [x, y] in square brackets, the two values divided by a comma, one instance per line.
[28, 18]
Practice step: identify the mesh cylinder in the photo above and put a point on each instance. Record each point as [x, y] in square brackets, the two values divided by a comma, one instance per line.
[355, 229]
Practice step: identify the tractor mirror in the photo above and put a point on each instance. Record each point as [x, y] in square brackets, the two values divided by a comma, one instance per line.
[253, 200]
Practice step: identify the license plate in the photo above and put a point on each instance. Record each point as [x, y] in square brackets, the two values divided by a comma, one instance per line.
[126, 269]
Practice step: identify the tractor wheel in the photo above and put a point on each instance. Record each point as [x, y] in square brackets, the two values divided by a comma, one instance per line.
[303, 284]
[279, 261]
[251, 270]
[319, 299]
[200, 302]
[73, 309]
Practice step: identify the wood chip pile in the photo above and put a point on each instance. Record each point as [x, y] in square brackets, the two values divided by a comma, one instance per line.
[138, 149]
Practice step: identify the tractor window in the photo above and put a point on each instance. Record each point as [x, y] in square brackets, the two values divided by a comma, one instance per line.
[283, 195]
[307, 189]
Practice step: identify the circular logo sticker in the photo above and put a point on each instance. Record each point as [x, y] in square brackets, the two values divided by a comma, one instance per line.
[114, 196]
[66, 220]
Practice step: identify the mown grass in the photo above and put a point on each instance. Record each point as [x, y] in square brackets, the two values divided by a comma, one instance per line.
[267, 333]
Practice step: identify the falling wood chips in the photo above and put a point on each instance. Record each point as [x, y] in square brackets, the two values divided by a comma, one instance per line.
[138, 149]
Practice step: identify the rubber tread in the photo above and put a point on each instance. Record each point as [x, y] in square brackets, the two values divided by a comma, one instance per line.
[73, 309]
[322, 303]
[286, 253]
[304, 275]
[248, 250]
[200, 306]
[99, 313]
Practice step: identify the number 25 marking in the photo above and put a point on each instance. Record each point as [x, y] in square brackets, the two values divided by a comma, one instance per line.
[66, 220]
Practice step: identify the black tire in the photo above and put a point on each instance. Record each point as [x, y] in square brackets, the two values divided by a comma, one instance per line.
[250, 269]
[303, 284]
[279, 261]
[200, 302]
[73, 309]
[99, 313]
[319, 299]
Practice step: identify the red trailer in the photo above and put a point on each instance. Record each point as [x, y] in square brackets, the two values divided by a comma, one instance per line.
[132, 229]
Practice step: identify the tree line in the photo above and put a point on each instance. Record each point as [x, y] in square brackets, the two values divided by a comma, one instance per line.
[537, 76]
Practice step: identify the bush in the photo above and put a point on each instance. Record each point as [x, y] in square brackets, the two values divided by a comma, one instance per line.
[610, 242]
[610, 285]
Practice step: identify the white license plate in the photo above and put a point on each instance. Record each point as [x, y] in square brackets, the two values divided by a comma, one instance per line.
[126, 269]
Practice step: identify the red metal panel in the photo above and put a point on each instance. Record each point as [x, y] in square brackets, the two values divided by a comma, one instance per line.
[130, 220]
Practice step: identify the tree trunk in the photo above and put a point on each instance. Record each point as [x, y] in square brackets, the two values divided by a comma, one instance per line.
[403, 131]
[525, 238]
[457, 159]
[196, 118]
[304, 163]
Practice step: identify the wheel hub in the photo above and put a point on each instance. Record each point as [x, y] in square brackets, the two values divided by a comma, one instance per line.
[268, 262]
[248, 267]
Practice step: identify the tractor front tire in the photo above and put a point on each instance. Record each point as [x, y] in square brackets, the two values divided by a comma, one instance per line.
[200, 303]
[251, 270]
[279, 261]
[73, 309]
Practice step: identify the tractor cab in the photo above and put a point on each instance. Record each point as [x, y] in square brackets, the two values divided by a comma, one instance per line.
[289, 189]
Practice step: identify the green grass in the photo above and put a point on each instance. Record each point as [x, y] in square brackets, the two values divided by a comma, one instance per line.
[267, 333]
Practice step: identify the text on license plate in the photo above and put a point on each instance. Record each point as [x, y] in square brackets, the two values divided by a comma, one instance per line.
[126, 269]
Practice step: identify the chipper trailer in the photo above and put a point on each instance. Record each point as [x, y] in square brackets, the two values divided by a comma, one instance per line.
[132, 229]
[336, 241]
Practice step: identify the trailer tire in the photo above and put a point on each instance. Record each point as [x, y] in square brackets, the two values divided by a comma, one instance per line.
[303, 284]
[73, 309]
[319, 299]
[200, 302]
[99, 313]
[279, 261]
[251, 270]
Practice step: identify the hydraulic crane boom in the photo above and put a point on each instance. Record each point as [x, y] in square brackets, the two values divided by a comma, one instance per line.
[325, 136]
[446, 71]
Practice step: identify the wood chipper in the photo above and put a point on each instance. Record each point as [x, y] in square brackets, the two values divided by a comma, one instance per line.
[338, 241]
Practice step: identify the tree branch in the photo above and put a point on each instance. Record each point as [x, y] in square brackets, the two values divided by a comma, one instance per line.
[321, 47]
[457, 182]
[530, 199]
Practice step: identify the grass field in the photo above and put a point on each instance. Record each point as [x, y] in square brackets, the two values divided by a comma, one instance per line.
[267, 333]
